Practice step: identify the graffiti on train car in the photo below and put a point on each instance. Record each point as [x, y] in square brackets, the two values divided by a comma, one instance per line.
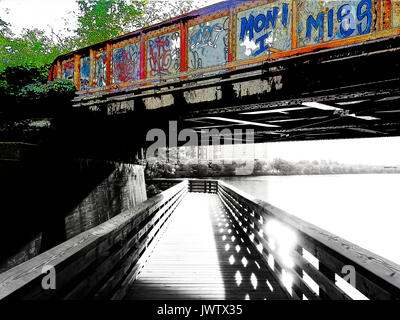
[68, 70]
[209, 44]
[264, 29]
[101, 69]
[164, 55]
[85, 73]
[333, 20]
[126, 63]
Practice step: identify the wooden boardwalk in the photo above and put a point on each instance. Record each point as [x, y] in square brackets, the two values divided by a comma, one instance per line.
[204, 255]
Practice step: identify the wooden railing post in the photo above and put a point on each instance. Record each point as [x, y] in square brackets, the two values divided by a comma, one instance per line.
[330, 275]
[299, 271]
[99, 263]
[326, 255]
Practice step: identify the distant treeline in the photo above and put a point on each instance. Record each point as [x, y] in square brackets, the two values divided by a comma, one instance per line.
[258, 168]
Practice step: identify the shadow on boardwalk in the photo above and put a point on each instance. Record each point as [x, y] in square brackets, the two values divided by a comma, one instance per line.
[204, 255]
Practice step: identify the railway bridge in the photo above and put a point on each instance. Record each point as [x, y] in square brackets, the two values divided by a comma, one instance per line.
[288, 70]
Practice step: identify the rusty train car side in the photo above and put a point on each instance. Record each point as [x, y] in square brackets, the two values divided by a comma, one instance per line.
[225, 36]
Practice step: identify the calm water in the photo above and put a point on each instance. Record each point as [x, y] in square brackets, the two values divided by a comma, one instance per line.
[364, 209]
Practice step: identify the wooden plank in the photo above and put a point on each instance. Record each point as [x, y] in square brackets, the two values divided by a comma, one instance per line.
[191, 259]
[379, 278]
[298, 281]
[75, 255]
[148, 245]
[324, 278]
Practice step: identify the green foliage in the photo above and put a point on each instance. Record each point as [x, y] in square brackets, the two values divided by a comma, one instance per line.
[13, 79]
[21, 86]
[57, 88]
[100, 20]
[4, 29]
[33, 48]
[160, 10]
[25, 59]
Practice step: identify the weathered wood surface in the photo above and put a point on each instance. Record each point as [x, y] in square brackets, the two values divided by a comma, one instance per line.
[203, 186]
[163, 184]
[97, 262]
[376, 277]
[214, 246]
[203, 255]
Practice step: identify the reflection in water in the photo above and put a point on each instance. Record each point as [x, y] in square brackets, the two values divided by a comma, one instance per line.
[337, 203]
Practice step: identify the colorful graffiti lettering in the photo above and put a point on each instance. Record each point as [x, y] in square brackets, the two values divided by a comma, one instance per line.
[260, 24]
[164, 55]
[126, 64]
[100, 71]
[352, 19]
[85, 73]
[68, 71]
[262, 29]
[208, 44]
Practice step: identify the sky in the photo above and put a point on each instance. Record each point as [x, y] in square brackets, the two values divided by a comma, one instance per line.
[47, 14]
[42, 14]
[376, 151]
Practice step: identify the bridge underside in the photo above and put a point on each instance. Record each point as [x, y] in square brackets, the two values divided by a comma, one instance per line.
[348, 92]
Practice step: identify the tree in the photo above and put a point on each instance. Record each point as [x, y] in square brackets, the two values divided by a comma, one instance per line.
[24, 59]
[283, 167]
[160, 10]
[33, 48]
[4, 29]
[100, 20]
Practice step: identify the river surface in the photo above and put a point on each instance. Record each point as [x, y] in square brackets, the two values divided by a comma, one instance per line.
[363, 209]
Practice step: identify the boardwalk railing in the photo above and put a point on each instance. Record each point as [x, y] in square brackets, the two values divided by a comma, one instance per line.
[99, 263]
[203, 186]
[307, 260]
[163, 184]
[195, 185]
